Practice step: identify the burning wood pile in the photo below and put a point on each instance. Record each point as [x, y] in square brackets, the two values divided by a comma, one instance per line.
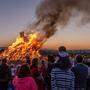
[24, 44]
[50, 14]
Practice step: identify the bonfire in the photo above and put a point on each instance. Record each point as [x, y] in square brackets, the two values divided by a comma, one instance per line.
[25, 44]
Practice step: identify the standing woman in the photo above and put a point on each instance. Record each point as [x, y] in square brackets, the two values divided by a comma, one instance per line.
[36, 74]
[23, 81]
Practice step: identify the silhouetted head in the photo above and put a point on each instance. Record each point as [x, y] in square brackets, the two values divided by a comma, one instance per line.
[28, 59]
[79, 59]
[4, 61]
[43, 62]
[35, 62]
[63, 52]
[62, 48]
[64, 63]
[24, 71]
[51, 58]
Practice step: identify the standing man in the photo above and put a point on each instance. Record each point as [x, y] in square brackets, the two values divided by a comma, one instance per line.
[80, 71]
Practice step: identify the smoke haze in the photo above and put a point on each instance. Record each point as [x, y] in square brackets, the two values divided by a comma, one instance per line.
[51, 13]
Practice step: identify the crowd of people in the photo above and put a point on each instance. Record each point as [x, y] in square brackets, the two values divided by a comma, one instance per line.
[57, 72]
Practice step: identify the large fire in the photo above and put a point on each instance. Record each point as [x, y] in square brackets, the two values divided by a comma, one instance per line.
[25, 44]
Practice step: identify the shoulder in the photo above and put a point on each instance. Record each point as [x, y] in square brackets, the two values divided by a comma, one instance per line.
[70, 74]
[31, 79]
[82, 66]
[85, 65]
[55, 69]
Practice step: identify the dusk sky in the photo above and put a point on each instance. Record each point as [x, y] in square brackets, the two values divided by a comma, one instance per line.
[15, 15]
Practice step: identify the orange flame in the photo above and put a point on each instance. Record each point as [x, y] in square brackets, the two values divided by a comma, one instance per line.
[25, 44]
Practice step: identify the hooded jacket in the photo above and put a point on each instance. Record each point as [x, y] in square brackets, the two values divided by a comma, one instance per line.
[26, 83]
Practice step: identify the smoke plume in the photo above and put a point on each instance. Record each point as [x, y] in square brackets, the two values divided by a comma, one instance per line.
[52, 12]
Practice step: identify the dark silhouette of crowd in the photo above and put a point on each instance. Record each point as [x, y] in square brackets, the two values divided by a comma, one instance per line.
[53, 72]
